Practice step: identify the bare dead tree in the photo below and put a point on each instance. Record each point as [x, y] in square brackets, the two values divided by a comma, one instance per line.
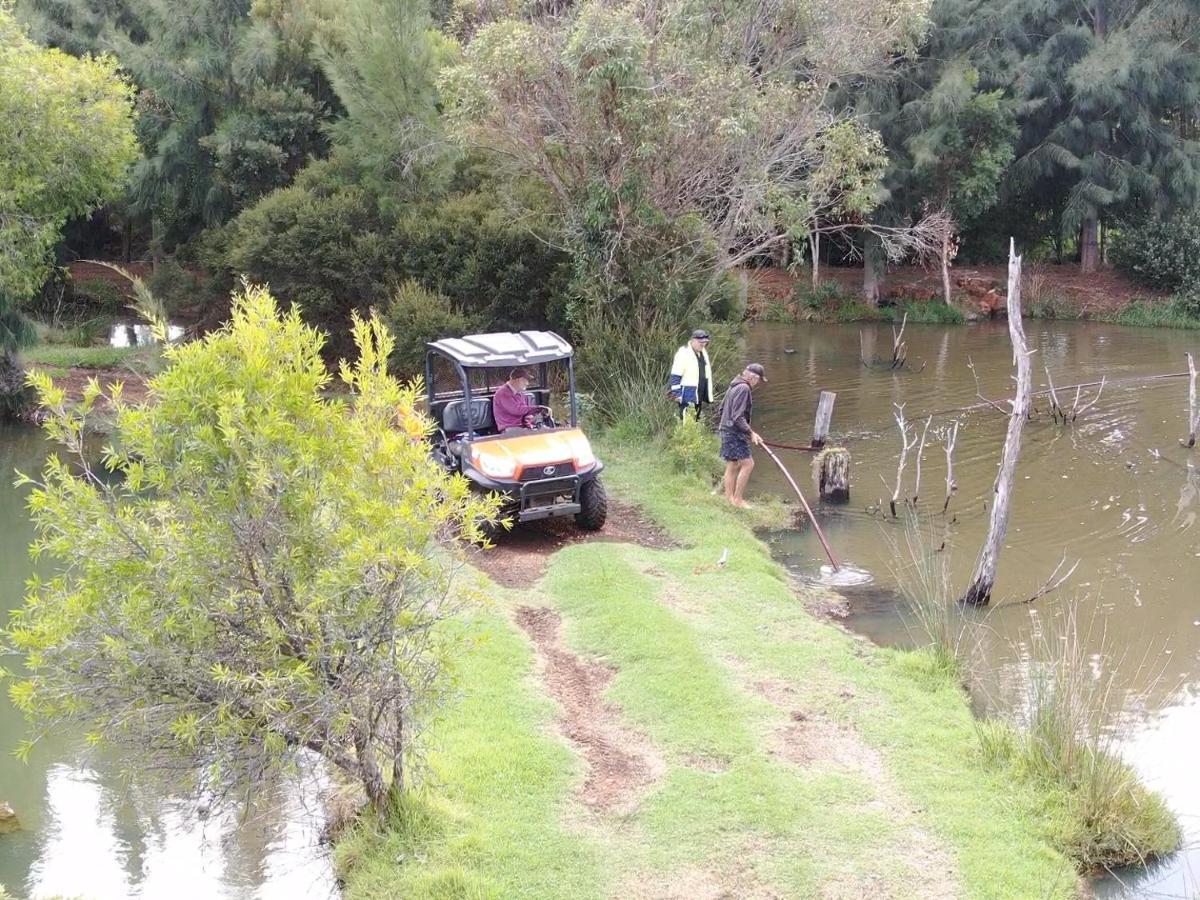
[899, 348]
[920, 452]
[951, 484]
[979, 591]
[1056, 409]
[979, 391]
[905, 446]
[1077, 410]
[1193, 411]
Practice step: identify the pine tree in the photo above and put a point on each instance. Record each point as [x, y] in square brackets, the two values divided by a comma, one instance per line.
[1108, 92]
[231, 104]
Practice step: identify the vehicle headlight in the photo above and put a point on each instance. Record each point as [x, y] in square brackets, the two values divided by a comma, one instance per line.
[495, 466]
[581, 449]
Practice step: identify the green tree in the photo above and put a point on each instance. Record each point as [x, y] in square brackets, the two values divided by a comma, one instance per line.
[674, 139]
[1108, 91]
[382, 58]
[66, 144]
[268, 575]
[231, 103]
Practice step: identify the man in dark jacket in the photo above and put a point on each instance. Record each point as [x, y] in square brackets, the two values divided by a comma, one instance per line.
[736, 433]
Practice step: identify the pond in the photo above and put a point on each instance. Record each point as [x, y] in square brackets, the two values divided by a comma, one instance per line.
[139, 334]
[1115, 491]
[86, 834]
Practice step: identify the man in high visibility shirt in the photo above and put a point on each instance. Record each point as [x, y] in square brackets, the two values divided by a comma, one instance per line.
[691, 374]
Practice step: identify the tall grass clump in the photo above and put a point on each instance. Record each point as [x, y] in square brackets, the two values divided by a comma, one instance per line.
[1181, 310]
[921, 568]
[929, 312]
[1099, 812]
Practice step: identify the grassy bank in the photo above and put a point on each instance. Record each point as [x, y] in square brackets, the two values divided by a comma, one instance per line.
[779, 755]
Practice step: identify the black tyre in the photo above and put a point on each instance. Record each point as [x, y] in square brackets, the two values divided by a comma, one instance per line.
[593, 506]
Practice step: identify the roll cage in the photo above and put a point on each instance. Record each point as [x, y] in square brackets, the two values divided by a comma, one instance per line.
[500, 350]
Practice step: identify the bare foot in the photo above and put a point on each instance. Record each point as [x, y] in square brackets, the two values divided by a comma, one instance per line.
[742, 504]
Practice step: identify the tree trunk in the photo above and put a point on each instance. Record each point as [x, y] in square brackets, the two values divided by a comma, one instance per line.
[979, 592]
[370, 774]
[398, 753]
[815, 242]
[946, 268]
[14, 395]
[1089, 246]
[873, 265]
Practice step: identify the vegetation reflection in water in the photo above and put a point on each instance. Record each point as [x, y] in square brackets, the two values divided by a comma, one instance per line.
[1115, 491]
[84, 834]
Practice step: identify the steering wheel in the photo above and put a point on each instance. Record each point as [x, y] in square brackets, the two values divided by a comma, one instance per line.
[547, 416]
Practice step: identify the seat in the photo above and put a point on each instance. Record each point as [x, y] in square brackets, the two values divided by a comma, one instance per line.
[455, 416]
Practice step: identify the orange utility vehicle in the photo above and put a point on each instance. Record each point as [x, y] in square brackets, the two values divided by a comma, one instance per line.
[543, 472]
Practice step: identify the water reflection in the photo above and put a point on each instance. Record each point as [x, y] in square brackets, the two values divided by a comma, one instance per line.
[86, 833]
[1114, 490]
[137, 334]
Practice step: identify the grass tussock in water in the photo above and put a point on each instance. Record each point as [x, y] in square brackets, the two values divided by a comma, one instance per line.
[921, 568]
[1096, 808]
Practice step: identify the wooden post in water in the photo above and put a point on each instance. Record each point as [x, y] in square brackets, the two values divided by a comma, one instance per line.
[831, 471]
[824, 418]
[979, 591]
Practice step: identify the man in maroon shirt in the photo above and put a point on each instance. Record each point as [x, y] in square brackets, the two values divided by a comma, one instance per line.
[511, 406]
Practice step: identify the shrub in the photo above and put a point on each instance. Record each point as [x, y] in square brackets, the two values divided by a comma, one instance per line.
[417, 315]
[468, 248]
[269, 577]
[1161, 253]
[693, 448]
[320, 243]
[99, 292]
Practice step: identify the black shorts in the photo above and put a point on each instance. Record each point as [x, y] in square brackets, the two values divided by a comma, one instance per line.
[735, 445]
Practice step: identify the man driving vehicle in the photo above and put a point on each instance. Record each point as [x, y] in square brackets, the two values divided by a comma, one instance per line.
[511, 406]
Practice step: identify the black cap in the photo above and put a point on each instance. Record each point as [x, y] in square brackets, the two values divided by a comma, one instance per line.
[701, 335]
[757, 370]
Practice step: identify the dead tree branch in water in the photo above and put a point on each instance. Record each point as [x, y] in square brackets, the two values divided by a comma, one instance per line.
[1078, 410]
[920, 451]
[951, 484]
[1059, 412]
[1056, 410]
[1053, 583]
[979, 391]
[899, 348]
[1193, 412]
[905, 446]
[979, 591]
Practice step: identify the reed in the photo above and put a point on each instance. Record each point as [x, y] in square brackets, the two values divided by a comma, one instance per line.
[1072, 717]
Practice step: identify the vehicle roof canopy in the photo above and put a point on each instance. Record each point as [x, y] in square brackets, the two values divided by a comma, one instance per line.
[503, 348]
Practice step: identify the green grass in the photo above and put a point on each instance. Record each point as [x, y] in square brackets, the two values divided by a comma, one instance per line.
[691, 643]
[1157, 314]
[66, 357]
[491, 821]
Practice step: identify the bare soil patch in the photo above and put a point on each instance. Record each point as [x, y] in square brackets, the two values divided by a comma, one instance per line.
[134, 388]
[621, 763]
[1097, 293]
[520, 556]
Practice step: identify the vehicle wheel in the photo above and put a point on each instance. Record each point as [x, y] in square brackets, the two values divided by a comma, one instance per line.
[494, 531]
[593, 505]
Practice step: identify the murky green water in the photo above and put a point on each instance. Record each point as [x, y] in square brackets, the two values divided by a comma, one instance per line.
[1115, 491]
[86, 834]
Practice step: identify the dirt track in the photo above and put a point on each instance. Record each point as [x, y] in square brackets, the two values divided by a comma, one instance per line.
[519, 557]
